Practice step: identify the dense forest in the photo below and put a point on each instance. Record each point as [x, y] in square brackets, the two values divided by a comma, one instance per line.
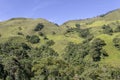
[86, 49]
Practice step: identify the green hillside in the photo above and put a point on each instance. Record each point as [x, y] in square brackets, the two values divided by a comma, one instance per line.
[37, 49]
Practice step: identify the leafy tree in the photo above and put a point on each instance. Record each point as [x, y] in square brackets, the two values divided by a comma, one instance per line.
[20, 33]
[107, 29]
[84, 33]
[50, 43]
[117, 29]
[116, 42]
[77, 25]
[75, 53]
[41, 34]
[96, 48]
[33, 39]
[39, 27]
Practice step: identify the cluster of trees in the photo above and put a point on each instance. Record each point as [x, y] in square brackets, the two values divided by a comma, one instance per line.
[117, 29]
[20, 61]
[84, 33]
[107, 29]
[97, 50]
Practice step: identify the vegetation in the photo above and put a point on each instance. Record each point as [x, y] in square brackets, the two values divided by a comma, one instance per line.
[39, 27]
[33, 39]
[40, 50]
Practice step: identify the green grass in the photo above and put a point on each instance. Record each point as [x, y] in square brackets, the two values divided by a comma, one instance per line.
[61, 41]
[114, 53]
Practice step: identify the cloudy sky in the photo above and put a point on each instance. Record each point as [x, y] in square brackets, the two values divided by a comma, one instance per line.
[57, 11]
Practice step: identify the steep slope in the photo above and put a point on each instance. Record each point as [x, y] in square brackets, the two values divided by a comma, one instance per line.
[86, 49]
[26, 26]
[108, 18]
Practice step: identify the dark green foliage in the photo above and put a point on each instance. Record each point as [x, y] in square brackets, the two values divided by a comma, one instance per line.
[45, 51]
[75, 53]
[77, 25]
[41, 34]
[96, 49]
[107, 29]
[2, 73]
[70, 30]
[115, 74]
[0, 35]
[20, 33]
[50, 43]
[19, 28]
[17, 49]
[39, 27]
[98, 43]
[84, 33]
[53, 33]
[45, 38]
[117, 29]
[116, 42]
[104, 53]
[33, 39]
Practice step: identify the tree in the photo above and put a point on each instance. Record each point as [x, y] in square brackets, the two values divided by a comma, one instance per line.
[107, 29]
[33, 39]
[39, 27]
[117, 29]
[84, 33]
[96, 48]
[116, 42]
[50, 43]
[77, 25]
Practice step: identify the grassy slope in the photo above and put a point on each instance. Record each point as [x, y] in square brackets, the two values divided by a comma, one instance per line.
[114, 53]
[10, 28]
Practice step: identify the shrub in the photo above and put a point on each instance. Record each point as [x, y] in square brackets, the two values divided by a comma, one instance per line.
[33, 39]
[19, 28]
[84, 33]
[77, 25]
[20, 33]
[39, 27]
[116, 42]
[107, 29]
[96, 49]
[117, 29]
[41, 34]
[50, 43]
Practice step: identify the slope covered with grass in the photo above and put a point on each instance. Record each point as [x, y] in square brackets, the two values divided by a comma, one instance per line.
[37, 49]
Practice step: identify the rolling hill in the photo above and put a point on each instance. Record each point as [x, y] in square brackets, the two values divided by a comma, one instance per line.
[86, 49]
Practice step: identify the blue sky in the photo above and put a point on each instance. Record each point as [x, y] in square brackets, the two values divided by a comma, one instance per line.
[57, 11]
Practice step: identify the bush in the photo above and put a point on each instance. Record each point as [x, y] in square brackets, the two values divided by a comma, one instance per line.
[33, 39]
[84, 33]
[50, 43]
[117, 29]
[20, 33]
[107, 29]
[116, 42]
[41, 34]
[96, 49]
[77, 25]
[39, 27]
